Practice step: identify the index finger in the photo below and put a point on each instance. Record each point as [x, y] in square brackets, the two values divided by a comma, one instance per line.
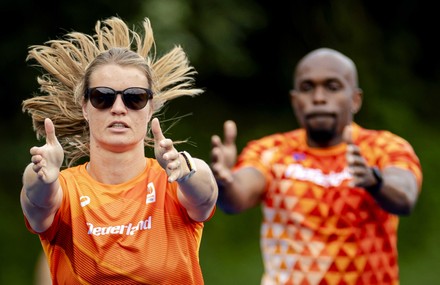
[157, 131]
[230, 132]
[50, 131]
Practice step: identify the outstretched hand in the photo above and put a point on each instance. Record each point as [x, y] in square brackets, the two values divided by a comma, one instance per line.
[47, 159]
[224, 153]
[357, 165]
[167, 156]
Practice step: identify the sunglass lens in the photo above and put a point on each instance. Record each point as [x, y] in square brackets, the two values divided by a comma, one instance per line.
[135, 98]
[102, 98]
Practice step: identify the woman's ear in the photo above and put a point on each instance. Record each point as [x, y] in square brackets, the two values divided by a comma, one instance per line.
[84, 111]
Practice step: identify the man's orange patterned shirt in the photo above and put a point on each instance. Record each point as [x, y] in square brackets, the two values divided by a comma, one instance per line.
[316, 229]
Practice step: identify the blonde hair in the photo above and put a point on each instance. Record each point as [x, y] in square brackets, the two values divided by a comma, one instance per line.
[68, 62]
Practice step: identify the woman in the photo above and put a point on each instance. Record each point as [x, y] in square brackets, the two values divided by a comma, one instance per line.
[120, 217]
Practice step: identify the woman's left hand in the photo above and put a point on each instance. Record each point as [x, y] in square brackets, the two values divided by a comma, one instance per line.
[167, 156]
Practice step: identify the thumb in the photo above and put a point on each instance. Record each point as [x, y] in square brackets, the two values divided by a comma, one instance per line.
[50, 131]
[347, 135]
[157, 131]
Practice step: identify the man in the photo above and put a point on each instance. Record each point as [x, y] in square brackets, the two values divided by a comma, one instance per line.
[331, 191]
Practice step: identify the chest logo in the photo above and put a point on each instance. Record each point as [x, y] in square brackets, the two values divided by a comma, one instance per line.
[84, 200]
[151, 193]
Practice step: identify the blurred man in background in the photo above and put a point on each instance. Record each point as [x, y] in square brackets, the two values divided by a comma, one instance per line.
[331, 191]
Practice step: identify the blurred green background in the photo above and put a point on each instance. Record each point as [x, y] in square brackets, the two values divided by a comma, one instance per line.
[244, 52]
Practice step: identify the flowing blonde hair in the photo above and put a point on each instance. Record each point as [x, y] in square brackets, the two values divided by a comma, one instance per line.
[67, 63]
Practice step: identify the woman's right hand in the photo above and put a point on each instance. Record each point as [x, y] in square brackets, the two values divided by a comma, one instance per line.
[47, 159]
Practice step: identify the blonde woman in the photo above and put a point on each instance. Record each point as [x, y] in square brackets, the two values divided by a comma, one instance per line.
[118, 217]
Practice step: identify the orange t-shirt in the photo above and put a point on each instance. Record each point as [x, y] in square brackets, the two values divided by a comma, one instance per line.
[316, 229]
[132, 233]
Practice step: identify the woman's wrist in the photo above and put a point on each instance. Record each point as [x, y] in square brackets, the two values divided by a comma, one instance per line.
[190, 166]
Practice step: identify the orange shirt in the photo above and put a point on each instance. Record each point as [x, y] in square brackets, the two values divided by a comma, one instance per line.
[132, 233]
[316, 229]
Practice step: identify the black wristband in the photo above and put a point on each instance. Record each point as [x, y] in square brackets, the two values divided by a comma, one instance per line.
[190, 164]
[374, 189]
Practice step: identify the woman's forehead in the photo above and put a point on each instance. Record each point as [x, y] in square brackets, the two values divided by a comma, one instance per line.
[112, 71]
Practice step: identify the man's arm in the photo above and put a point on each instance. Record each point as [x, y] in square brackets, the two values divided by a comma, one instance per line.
[397, 192]
[395, 189]
[238, 190]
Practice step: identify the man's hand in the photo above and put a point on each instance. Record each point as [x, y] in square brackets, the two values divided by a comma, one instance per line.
[47, 159]
[224, 154]
[362, 174]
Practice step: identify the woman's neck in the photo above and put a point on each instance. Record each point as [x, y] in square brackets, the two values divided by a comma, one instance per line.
[115, 168]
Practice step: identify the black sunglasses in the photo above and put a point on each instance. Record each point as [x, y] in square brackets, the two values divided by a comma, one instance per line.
[134, 98]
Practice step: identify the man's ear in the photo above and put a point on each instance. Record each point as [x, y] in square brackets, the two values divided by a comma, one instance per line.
[293, 94]
[358, 96]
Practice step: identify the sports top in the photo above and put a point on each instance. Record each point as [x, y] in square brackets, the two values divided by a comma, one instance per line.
[316, 229]
[136, 232]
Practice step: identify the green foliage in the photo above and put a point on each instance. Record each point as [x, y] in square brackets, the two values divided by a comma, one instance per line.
[244, 52]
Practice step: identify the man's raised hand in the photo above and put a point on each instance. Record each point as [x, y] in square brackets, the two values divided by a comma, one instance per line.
[224, 153]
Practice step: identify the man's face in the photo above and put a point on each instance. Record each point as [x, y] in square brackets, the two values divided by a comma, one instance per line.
[324, 99]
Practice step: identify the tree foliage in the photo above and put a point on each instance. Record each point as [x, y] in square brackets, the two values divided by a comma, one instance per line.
[244, 52]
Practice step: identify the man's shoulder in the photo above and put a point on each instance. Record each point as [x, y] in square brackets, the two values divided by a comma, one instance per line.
[382, 139]
[280, 139]
[364, 133]
[288, 135]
